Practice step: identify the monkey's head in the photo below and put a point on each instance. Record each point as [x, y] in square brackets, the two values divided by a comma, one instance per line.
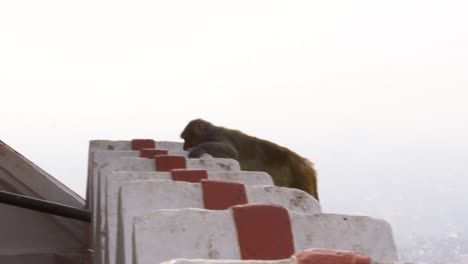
[195, 133]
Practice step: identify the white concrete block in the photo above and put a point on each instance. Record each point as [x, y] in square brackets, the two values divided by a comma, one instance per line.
[370, 236]
[118, 178]
[291, 260]
[294, 200]
[184, 233]
[109, 145]
[98, 161]
[170, 145]
[194, 233]
[174, 148]
[127, 145]
[108, 164]
[140, 197]
[224, 261]
[114, 182]
[250, 178]
[100, 158]
[213, 164]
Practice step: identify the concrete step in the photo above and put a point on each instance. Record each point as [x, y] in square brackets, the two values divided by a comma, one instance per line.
[135, 144]
[141, 197]
[114, 182]
[106, 162]
[254, 232]
[291, 260]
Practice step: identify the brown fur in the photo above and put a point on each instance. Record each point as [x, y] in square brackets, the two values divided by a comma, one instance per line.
[287, 168]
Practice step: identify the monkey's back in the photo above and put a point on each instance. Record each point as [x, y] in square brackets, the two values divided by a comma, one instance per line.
[285, 166]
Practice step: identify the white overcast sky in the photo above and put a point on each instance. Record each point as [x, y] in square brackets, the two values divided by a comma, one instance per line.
[373, 92]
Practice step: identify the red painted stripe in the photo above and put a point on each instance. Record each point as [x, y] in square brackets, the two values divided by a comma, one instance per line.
[318, 255]
[264, 231]
[221, 195]
[168, 163]
[189, 175]
[150, 153]
[138, 144]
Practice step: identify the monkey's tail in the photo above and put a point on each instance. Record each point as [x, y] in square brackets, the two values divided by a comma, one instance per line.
[308, 176]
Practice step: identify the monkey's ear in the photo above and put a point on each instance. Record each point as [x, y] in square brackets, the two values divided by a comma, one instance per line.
[199, 126]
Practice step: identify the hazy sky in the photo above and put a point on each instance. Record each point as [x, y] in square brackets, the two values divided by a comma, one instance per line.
[373, 92]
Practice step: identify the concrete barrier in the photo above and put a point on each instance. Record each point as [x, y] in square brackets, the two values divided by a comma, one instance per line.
[174, 148]
[100, 158]
[134, 145]
[114, 182]
[254, 232]
[291, 260]
[117, 179]
[97, 158]
[140, 197]
[223, 261]
[107, 165]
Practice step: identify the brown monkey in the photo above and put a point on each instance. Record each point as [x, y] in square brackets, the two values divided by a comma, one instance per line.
[287, 168]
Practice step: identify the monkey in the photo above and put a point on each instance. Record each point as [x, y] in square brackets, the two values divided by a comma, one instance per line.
[287, 168]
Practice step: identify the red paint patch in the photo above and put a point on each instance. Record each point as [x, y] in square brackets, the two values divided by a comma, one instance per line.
[150, 153]
[189, 175]
[264, 231]
[168, 163]
[138, 144]
[221, 195]
[325, 256]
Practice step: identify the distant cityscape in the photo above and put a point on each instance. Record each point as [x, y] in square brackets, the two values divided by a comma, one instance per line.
[449, 249]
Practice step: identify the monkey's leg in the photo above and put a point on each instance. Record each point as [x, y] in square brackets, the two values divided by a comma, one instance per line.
[215, 149]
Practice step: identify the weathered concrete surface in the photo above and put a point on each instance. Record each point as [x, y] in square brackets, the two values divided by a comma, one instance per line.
[117, 179]
[219, 261]
[294, 200]
[291, 260]
[370, 236]
[98, 159]
[320, 255]
[139, 197]
[127, 145]
[107, 162]
[212, 235]
[104, 157]
[24, 232]
[184, 233]
[174, 148]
